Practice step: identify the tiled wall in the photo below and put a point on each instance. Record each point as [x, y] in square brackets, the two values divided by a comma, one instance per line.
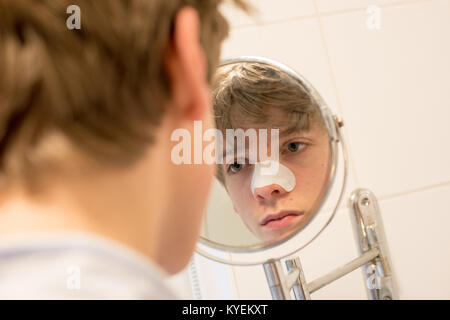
[392, 88]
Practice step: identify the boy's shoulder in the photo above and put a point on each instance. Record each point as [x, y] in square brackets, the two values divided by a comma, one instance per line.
[77, 266]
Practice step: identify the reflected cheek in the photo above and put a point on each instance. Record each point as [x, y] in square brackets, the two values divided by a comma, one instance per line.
[242, 204]
[245, 207]
[307, 183]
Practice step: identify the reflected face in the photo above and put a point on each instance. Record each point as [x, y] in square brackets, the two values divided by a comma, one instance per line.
[270, 211]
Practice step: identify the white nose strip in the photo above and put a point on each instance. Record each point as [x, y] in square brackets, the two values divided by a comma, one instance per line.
[284, 177]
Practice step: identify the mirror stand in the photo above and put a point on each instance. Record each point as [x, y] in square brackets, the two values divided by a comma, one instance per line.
[374, 258]
[280, 284]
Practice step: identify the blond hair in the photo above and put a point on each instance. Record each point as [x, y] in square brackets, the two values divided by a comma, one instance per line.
[246, 93]
[102, 88]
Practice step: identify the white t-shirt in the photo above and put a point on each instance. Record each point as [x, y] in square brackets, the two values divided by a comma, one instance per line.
[77, 266]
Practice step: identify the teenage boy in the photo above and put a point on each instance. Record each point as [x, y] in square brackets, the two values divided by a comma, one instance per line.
[91, 205]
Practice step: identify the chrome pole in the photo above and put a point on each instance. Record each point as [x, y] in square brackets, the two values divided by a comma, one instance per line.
[276, 280]
[300, 289]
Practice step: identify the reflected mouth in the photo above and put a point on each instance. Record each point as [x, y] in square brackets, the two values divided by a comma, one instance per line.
[281, 219]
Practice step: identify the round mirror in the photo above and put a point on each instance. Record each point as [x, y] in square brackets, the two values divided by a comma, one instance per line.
[278, 162]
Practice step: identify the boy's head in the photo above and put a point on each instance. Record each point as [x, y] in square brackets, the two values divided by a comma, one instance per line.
[103, 88]
[104, 99]
[261, 96]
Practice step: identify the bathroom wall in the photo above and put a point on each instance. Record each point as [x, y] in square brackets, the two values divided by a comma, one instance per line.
[390, 82]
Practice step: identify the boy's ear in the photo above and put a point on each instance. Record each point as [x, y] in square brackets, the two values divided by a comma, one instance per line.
[186, 66]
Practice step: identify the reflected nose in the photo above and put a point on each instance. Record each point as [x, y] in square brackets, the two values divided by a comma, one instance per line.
[269, 192]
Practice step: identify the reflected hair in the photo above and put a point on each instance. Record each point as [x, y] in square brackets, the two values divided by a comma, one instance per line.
[97, 93]
[245, 94]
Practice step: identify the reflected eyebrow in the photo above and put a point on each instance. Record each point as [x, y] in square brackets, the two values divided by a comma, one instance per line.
[291, 131]
[283, 135]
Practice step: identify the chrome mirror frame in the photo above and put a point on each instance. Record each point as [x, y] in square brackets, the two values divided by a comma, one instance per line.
[216, 252]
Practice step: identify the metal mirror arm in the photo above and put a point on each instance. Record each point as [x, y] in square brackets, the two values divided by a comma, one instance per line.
[280, 284]
[277, 280]
[343, 270]
[369, 234]
[300, 291]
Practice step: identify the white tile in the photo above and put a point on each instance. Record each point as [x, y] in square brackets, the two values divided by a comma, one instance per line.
[297, 44]
[349, 287]
[417, 232]
[251, 283]
[334, 5]
[267, 11]
[394, 89]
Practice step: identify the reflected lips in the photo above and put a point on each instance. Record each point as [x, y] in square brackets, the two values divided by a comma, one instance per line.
[280, 219]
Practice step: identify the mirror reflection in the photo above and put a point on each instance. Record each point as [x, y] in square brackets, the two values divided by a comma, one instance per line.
[264, 199]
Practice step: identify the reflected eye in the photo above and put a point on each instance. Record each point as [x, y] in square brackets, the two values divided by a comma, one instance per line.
[295, 146]
[236, 167]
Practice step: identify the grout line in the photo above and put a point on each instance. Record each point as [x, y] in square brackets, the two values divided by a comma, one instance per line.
[336, 92]
[328, 14]
[412, 191]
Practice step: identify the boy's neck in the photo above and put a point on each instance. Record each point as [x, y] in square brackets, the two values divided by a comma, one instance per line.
[113, 204]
